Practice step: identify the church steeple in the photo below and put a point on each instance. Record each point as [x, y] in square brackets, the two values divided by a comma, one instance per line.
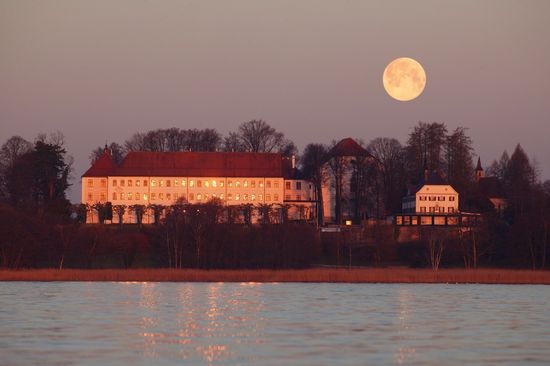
[479, 173]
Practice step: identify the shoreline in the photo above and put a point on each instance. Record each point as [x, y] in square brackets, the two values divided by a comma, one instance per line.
[312, 275]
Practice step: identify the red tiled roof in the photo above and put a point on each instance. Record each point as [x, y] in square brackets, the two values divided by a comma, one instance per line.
[201, 164]
[348, 147]
[102, 167]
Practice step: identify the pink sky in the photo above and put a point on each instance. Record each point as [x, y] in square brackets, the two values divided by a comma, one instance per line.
[101, 70]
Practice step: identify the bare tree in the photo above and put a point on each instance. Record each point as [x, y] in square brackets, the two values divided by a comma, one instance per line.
[391, 158]
[435, 239]
[312, 161]
[425, 147]
[337, 167]
[116, 150]
[258, 136]
[119, 210]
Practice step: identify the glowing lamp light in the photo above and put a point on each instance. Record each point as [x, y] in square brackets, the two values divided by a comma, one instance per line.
[348, 222]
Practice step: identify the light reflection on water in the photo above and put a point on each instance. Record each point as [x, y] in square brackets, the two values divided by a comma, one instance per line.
[135, 323]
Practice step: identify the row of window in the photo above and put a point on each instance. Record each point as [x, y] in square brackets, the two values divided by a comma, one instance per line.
[175, 196]
[192, 196]
[437, 209]
[434, 198]
[199, 183]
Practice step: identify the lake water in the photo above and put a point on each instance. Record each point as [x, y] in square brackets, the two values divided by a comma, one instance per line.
[114, 323]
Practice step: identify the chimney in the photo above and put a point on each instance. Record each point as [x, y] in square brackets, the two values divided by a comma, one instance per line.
[293, 161]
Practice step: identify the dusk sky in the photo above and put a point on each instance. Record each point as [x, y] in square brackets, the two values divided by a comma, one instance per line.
[99, 71]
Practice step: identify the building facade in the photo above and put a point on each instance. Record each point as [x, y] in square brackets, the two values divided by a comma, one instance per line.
[431, 196]
[341, 192]
[164, 178]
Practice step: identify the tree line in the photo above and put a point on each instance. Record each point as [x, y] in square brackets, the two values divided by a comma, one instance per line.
[34, 177]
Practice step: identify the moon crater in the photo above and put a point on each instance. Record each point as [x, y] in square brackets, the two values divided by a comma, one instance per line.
[404, 79]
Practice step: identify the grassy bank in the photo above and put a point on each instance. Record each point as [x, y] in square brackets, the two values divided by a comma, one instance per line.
[375, 275]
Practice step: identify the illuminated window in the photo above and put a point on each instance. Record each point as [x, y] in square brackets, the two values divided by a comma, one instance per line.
[122, 196]
[102, 197]
[260, 197]
[114, 196]
[229, 183]
[168, 196]
[268, 197]
[168, 183]
[237, 196]
[298, 197]
[199, 196]
[206, 183]
[183, 182]
[245, 197]
[191, 183]
[176, 183]
[191, 196]
[138, 183]
[130, 196]
[206, 196]
[221, 196]
[114, 183]
[275, 184]
[103, 183]
[214, 195]
[229, 196]
[237, 184]
[161, 196]
[153, 183]
[90, 197]
[129, 182]
[221, 183]
[145, 196]
[261, 184]
[298, 185]
[214, 184]
[253, 184]
[245, 184]
[153, 196]
[161, 183]
[253, 197]
[287, 185]
[275, 197]
[145, 182]
[122, 183]
[199, 184]
[267, 184]
[137, 195]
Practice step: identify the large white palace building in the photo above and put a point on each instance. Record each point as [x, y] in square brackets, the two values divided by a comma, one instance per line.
[162, 178]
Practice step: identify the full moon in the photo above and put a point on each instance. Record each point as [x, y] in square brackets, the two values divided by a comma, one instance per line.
[404, 79]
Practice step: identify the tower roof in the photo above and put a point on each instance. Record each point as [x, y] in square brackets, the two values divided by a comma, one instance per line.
[103, 166]
[478, 167]
[194, 164]
[348, 147]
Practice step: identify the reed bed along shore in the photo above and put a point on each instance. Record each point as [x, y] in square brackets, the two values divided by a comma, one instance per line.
[336, 275]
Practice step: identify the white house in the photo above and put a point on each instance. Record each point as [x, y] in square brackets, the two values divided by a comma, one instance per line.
[432, 196]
